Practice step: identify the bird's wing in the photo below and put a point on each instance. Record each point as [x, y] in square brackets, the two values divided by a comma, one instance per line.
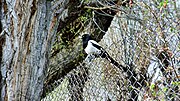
[104, 54]
[95, 44]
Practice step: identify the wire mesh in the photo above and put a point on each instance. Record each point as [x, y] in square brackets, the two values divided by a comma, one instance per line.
[147, 44]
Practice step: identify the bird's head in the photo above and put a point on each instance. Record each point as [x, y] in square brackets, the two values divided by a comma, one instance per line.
[85, 38]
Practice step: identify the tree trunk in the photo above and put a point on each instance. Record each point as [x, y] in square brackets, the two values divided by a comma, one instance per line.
[28, 27]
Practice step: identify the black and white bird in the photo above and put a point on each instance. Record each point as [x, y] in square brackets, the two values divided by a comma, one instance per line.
[91, 47]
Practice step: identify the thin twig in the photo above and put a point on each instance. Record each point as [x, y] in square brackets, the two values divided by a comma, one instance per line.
[97, 24]
[98, 8]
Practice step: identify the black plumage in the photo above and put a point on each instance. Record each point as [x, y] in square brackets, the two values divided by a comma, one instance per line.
[91, 47]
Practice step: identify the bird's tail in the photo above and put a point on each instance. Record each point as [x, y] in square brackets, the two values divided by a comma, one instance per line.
[105, 55]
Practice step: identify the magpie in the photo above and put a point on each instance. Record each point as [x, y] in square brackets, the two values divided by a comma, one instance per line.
[91, 47]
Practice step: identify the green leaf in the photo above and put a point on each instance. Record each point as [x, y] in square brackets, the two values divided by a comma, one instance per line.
[165, 89]
[176, 83]
[152, 86]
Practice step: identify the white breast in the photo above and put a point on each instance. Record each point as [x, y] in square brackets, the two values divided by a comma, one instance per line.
[90, 49]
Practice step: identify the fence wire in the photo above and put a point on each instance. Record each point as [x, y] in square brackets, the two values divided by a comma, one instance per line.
[147, 44]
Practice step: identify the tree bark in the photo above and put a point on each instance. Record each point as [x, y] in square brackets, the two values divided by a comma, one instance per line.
[28, 28]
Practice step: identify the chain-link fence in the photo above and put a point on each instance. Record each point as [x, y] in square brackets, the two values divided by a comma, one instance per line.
[143, 39]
